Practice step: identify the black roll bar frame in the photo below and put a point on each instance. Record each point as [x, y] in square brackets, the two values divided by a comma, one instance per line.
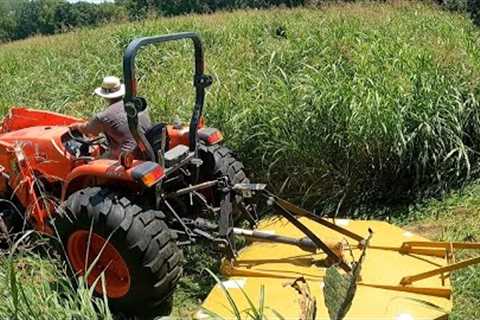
[134, 104]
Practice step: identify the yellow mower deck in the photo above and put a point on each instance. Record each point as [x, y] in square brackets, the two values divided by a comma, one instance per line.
[379, 296]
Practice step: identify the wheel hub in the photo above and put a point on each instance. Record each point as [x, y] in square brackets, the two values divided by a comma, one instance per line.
[92, 255]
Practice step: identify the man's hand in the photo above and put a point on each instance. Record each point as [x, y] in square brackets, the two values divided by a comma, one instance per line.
[89, 128]
[78, 126]
[75, 126]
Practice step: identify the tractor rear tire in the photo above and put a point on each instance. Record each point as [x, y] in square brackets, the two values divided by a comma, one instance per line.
[220, 161]
[136, 249]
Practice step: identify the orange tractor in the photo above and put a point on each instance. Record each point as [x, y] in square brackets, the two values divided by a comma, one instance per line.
[122, 218]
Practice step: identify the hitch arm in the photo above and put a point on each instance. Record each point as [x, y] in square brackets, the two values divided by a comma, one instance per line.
[303, 243]
[319, 243]
[439, 271]
[304, 213]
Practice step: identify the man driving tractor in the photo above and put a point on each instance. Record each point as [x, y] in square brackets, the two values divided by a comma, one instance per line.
[112, 122]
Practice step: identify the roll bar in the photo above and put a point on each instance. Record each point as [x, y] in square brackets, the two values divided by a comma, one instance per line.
[134, 104]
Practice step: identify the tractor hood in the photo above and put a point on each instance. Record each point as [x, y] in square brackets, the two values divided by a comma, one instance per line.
[43, 147]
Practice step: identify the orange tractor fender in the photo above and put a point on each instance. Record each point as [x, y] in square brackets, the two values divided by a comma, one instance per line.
[108, 172]
[180, 135]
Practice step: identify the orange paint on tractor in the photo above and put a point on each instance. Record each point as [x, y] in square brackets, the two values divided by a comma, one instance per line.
[32, 146]
[215, 138]
[21, 118]
[177, 135]
[39, 138]
[102, 258]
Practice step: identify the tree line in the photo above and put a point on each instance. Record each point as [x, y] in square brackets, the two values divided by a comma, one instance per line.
[23, 18]
[138, 9]
[20, 19]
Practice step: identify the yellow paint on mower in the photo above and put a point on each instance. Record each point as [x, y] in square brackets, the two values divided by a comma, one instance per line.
[401, 277]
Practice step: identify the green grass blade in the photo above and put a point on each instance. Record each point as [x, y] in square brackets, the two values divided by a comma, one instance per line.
[235, 310]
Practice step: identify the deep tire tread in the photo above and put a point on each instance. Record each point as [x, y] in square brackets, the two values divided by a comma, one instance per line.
[225, 163]
[146, 238]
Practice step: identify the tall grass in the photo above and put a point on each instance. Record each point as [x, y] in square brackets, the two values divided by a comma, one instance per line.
[354, 104]
[34, 287]
[455, 217]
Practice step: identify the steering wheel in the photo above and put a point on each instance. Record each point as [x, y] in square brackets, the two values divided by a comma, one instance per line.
[89, 142]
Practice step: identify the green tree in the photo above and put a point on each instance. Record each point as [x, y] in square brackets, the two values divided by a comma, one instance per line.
[474, 10]
[7, 19]
[35, 17]
[138, 9]
[71, 15]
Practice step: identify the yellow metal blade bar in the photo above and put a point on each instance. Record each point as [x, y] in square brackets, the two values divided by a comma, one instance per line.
[230, 270]
[435, 292]
[305, 213]
[452, 267]
[444, 245]
[441, 253]
[434, 249]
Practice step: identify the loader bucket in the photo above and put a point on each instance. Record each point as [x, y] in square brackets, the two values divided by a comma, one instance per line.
[403, 276]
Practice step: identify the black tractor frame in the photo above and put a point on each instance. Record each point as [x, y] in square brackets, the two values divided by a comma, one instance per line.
[228, 208]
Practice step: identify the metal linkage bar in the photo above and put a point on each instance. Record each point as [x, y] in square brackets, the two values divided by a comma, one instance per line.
[433, 249]
[305, 213]
[438, 249]
[452, 267]
[200, 186]
[429, 291]
[299, 225]
[303, 243]
[443, 245]
[432, 252]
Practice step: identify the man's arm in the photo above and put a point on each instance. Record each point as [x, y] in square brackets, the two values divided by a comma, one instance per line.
[93, 127]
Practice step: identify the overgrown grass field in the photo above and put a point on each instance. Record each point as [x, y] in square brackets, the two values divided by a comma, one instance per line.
[338, 107]
[355, 102]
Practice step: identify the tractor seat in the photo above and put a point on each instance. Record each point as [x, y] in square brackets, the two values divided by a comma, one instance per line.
[154, 137]
[172, 156]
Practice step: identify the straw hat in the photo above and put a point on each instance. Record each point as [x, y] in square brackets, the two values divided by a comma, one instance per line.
[111, 88]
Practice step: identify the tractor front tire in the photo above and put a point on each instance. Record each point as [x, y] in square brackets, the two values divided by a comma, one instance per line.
[117, 245]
